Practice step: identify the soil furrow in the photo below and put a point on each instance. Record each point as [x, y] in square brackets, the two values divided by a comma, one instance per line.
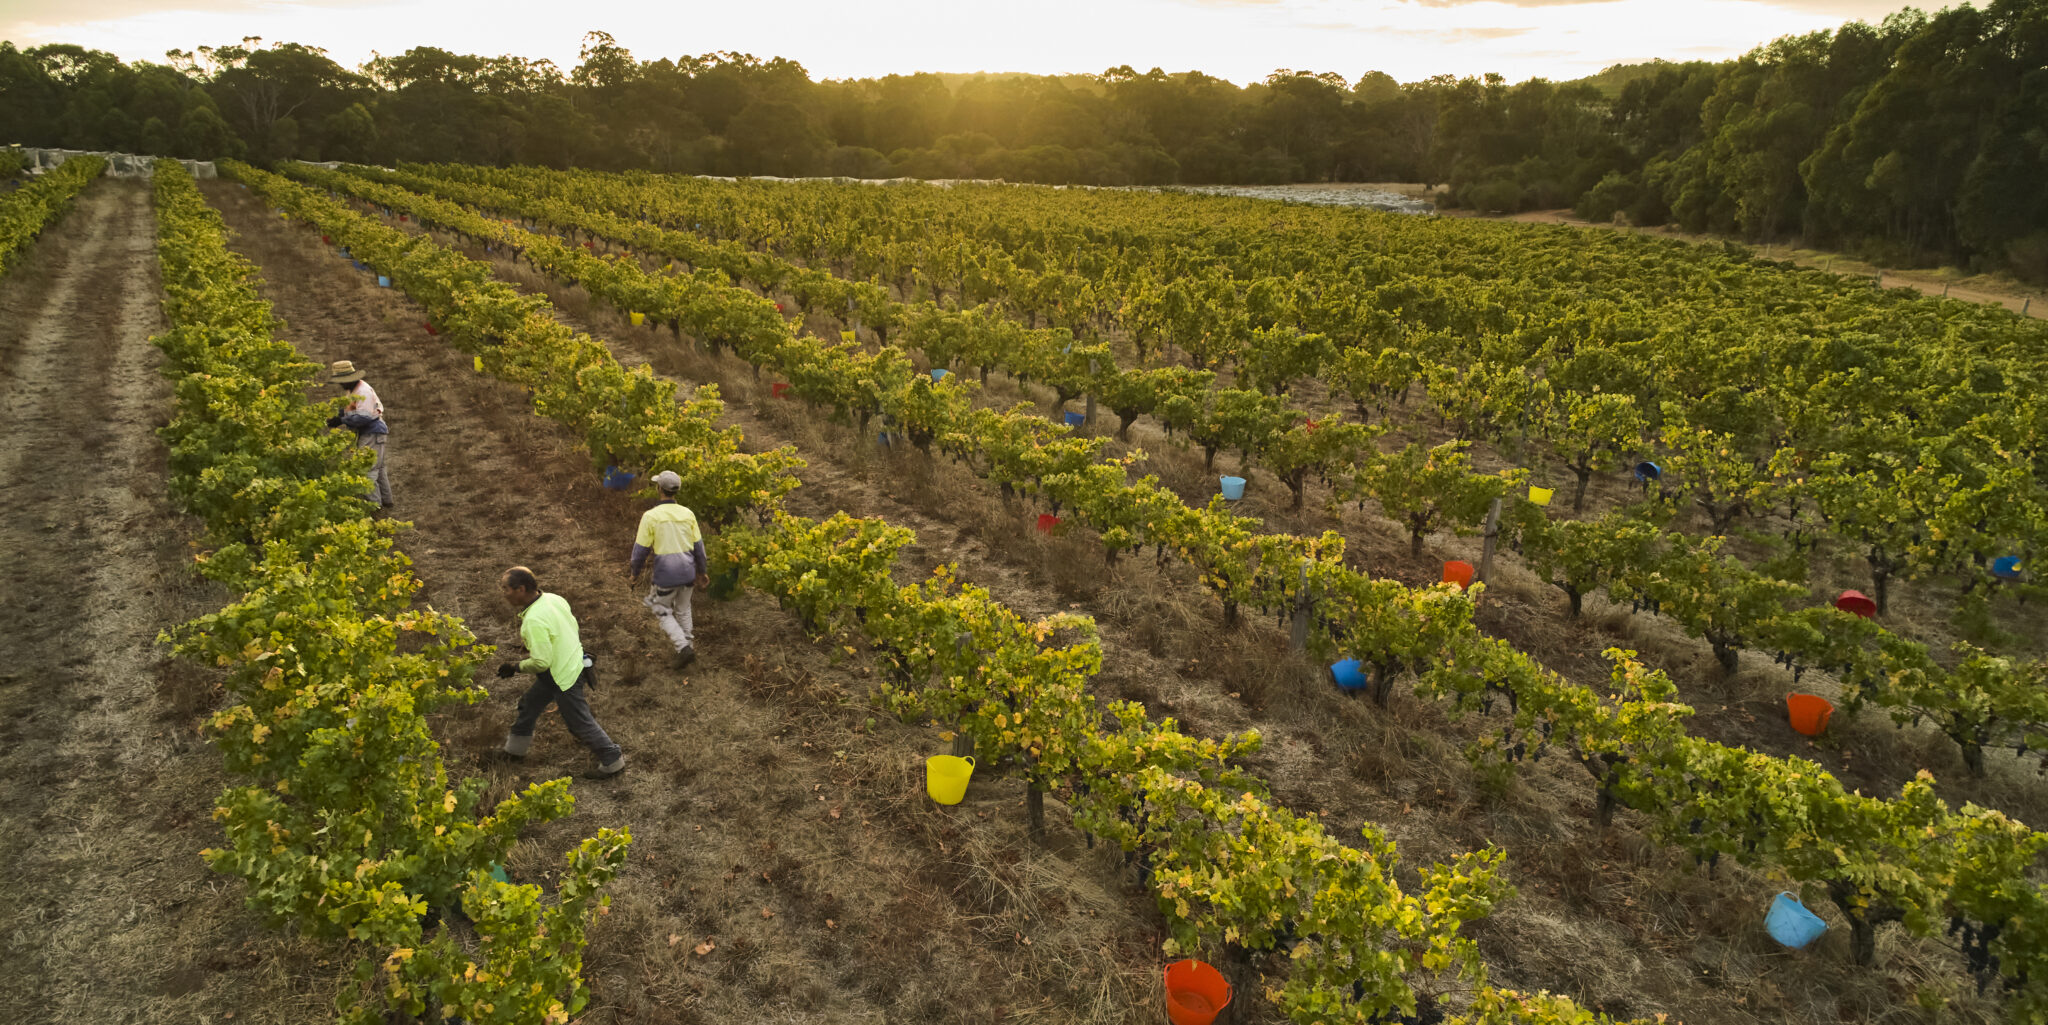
[105, 791]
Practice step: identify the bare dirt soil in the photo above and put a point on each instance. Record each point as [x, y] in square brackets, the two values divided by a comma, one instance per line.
[106, 912]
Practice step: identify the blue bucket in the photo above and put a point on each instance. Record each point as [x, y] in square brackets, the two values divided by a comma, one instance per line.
[2006, 567]
[938, 374]
[1647, 471]
[383, 282]
[1075, 419]
[617, 479]
[1791, 924]
[1348, 674]
[1233, 487]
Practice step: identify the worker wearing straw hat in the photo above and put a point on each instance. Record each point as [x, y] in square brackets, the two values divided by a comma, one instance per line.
[364, 415]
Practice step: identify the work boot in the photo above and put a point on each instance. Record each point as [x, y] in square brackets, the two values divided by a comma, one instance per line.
[607, 771]
[685, 655]
[516, 746]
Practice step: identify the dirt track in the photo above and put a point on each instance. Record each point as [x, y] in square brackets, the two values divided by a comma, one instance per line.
[104, 787]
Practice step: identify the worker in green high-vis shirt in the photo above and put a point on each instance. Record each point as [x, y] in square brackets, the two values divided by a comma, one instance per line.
[555, 655]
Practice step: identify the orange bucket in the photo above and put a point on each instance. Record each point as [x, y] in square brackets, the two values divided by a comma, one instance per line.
[1809, 714]
[1459, 573]
[1195, 993]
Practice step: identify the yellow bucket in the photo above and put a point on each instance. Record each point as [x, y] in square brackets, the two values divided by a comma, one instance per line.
[1540, 496]
[945, 777]
[639, 318]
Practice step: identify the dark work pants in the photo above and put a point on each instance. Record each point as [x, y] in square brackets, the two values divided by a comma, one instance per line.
[575, 706]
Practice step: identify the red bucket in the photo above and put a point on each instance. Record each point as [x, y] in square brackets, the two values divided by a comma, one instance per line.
[1459, 573]
[1047, 521]
[779, 389]
[1195, 993]
[1856, 603]
[1809, 714]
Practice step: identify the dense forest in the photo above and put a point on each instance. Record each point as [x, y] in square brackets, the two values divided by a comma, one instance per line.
[1924, 137]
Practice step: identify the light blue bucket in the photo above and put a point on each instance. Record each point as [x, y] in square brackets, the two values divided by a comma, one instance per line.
[1791, 924]
[1233, 487]
[383, 282]
[1075, 419]
[938, 374]
[1348, 674]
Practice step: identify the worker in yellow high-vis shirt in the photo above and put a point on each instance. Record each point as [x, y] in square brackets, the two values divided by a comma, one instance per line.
[562, 676]
[669, 533]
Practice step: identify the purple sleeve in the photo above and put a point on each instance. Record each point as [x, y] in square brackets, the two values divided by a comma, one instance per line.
[640, 553]
[697, 554]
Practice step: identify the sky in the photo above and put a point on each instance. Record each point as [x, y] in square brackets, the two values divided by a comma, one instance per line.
[1241, 40]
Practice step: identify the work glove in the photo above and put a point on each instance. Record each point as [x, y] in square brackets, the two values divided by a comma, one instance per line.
[334, 421]
[507, 670]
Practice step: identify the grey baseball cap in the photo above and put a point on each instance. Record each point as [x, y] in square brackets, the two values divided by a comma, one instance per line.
[667, 480]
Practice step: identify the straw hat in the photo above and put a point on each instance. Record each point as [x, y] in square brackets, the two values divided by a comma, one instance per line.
[341, 371]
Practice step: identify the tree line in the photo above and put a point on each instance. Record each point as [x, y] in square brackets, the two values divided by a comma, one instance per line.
[1922, 137]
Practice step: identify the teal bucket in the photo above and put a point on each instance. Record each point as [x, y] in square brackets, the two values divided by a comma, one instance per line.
[1791, 924]
[938, 374]
[1233, 487]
